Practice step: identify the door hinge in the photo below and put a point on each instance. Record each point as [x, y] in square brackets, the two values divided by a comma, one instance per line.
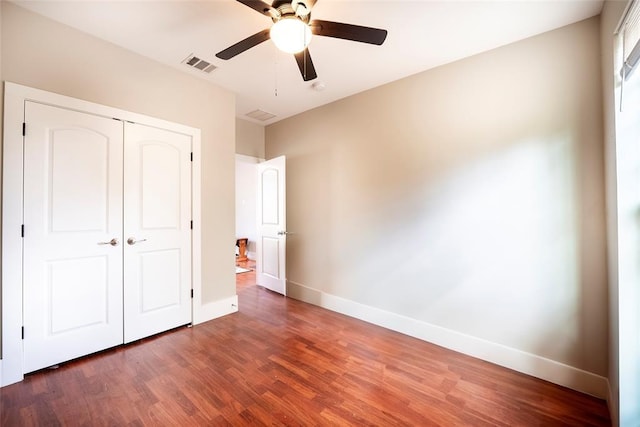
[191, 293]
[192, 156]
[24, 128]
[22, 230]
[192, 224]
[23, 332]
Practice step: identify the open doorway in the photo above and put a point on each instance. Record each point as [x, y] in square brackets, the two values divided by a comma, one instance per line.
[250, 150]
[245, 248]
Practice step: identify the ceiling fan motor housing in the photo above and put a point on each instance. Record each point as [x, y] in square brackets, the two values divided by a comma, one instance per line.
[287, 9]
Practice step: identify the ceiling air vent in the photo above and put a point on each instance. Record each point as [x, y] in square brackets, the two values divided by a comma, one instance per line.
[263, 116]
[199, 63]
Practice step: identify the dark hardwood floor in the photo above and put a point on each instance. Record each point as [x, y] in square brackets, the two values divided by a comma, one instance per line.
[283, 362]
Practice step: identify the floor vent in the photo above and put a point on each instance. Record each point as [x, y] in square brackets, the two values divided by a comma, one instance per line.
[263, 116]
[199, 64]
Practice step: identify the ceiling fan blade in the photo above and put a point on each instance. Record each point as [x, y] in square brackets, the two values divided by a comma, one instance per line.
[243, 45]
[258, 5]
[352, 32]
[305, 64]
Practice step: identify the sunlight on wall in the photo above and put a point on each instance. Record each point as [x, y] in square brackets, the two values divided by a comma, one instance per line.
[507, 222]
[481, 244]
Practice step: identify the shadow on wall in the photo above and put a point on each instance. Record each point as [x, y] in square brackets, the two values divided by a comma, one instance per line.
[309, 263]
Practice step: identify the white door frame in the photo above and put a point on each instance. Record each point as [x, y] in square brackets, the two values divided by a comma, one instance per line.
[11, 366]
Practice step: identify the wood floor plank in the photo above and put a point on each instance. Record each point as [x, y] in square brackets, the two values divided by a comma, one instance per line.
[282, 362]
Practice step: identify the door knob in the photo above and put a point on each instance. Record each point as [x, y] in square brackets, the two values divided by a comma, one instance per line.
[283, 233]
[133, 241]
[112, 242]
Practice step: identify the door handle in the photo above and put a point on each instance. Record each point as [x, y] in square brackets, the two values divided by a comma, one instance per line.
[283, 233]
[133, 241]
[112, 242]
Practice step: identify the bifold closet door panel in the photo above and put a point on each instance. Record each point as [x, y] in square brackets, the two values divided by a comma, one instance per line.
[73, 231]
[157, 237]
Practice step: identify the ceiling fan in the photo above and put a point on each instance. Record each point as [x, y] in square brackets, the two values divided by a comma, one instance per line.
[292, 30]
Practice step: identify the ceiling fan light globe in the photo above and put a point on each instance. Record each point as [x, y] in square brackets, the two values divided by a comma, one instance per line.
[290, 35]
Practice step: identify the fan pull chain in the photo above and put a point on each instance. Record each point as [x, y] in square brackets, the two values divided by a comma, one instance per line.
[275, 77]
[304, 57]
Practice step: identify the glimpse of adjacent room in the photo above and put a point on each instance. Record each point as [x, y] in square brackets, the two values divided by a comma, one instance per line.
[249, 152]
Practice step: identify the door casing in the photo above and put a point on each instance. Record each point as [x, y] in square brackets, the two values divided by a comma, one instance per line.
[11, 360]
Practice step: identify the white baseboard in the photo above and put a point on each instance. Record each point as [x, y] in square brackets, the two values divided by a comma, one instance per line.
[215, 309]
[527, 363]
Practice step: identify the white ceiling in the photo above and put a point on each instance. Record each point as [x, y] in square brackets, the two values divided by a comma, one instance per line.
[422, 34]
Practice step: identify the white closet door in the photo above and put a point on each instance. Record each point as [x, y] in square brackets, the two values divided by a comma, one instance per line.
[72, 210]
[157, 247]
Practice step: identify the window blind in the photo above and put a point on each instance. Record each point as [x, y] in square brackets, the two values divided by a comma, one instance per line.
[630, 32]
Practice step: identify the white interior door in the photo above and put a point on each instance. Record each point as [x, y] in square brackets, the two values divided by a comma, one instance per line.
[157, 224]
[72, 211]
[271, 245]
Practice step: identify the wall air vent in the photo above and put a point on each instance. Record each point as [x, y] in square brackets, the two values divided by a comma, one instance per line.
[263, 116]
[199, 64]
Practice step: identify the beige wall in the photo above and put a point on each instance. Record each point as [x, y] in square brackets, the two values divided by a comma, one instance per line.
[249, 139]
[468, 197]
[41, 53]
